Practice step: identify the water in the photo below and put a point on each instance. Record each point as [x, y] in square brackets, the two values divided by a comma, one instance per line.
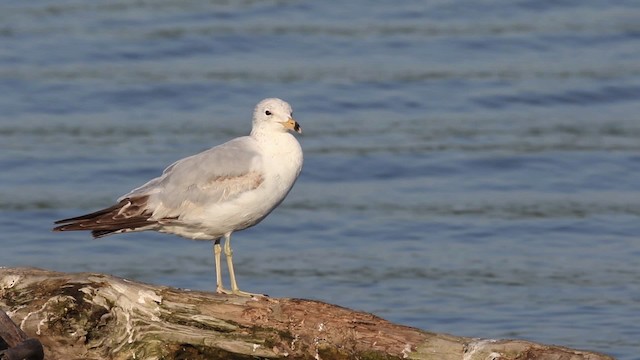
[470, 167]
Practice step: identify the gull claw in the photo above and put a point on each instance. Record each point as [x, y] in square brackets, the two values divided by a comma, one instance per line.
[237, 292]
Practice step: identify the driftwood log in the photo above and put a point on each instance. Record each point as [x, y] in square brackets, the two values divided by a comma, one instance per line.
[96, 316]
[15, 344]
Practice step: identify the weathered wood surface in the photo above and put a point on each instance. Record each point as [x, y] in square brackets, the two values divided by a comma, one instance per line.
[15, 344]
[95, 316]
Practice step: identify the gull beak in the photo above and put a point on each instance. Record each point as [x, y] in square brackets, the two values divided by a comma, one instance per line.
[291, 124]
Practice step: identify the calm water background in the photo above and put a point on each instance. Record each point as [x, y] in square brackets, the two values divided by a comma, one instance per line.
[471, 167]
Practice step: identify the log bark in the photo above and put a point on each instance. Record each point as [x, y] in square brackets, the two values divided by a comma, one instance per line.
[97, 316]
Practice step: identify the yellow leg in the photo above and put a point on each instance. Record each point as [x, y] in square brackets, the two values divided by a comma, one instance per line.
[232, 276]
[217, 249]
[229, 254]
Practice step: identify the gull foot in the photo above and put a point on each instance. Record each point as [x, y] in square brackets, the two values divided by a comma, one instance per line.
[238, 292]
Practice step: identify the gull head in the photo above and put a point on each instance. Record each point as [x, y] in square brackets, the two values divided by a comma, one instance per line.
[275, 114]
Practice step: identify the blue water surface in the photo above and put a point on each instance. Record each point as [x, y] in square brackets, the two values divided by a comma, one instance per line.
[470, 167]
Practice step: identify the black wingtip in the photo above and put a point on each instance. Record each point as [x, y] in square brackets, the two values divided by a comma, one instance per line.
[101, 233]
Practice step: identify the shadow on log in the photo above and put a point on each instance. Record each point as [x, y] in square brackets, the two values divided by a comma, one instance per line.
[15, 344]
[95, 316]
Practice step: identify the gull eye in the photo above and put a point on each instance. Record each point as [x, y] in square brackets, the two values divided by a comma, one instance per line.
[268, 113]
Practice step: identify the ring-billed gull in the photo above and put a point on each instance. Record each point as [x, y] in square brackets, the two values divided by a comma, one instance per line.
[209, 195]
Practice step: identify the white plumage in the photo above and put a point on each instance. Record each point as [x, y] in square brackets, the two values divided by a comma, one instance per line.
[209, 195]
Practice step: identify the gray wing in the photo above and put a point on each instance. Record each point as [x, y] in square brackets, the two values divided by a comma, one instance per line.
[215, 175]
